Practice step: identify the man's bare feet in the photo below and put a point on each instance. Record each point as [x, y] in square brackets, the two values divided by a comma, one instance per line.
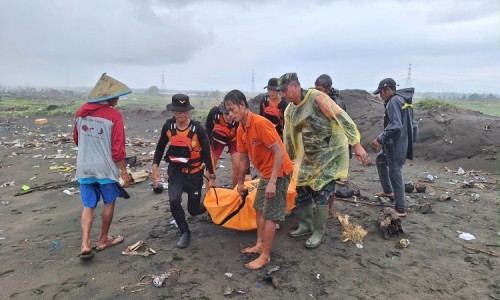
[400, 214]
[258, 263]
[255, 249]
[384, 195]
[86, 247]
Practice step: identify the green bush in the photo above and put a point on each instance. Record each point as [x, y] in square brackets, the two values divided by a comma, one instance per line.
[428, 103]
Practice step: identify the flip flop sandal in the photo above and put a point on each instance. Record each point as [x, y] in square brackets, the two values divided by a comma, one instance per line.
[115, 240]
[86, 255]
[384, 195]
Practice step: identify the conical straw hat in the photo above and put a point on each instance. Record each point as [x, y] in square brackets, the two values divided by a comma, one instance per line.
[108, 88]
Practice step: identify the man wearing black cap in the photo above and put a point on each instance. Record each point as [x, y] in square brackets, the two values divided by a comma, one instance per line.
[221, 130]
[188, 154]
[272, 106]
[317, 132]
[396, 141]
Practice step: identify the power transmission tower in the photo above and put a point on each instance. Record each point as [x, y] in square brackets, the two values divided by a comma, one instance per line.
[67, 80]
[408, 79]
[162, 80]
[253, 81]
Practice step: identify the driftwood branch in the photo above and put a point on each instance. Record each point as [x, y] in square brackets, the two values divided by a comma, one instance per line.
[483, 251]
[47, 186]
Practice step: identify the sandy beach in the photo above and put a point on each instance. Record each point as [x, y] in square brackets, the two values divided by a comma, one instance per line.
[40, 231]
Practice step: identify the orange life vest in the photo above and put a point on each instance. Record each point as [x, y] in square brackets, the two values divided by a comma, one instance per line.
[223, 133]
[273, 114]
[180, 150]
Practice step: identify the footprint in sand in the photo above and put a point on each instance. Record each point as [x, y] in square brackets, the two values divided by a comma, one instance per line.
[127, 219]
[30, 293]
[70, 287]
[6, 272]
[45, 210]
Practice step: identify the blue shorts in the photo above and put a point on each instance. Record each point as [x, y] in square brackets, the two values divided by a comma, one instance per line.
[91, 193]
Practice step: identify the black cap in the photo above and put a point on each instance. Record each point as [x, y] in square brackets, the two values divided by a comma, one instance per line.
[272, 84]
[285, 80]
[180, 102]
[387, 82]
[222, 108]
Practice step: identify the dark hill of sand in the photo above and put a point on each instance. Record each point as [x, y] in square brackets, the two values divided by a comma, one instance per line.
[461, 137]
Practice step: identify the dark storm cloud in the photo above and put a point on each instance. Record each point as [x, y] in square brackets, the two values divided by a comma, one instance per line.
[226, 44]
[100, 32]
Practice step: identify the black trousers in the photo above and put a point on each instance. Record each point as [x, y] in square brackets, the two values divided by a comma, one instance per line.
[178, 183]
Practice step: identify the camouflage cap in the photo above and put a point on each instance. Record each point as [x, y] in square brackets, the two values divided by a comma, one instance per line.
[285, 79]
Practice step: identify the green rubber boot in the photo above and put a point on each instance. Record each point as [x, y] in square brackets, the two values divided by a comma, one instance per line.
[305, 222]
[319, 222]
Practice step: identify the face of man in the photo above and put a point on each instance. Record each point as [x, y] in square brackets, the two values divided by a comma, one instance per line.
[181, 116]
[292, 92]
[386, 94]
[273, 94]
[227, 118]
[236, 112]
[322, 89]
[113, 102]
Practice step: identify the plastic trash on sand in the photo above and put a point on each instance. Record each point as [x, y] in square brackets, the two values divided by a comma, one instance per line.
[403, 243]
[466, 236]
[460, 171]
[475, 197]
[55, 245]
[71, 191]
[159, 280]
[41, 121]
[227, 290]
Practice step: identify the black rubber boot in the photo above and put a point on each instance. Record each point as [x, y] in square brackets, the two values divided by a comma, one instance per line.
[184, 240]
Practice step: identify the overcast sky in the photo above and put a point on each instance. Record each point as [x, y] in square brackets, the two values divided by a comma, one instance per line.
[452, 45]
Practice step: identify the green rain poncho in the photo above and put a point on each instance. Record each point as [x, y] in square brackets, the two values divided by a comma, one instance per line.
[317, 133]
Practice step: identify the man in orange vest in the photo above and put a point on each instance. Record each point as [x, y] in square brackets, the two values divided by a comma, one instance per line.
[272, 106]
[188, 154]
[221, 130]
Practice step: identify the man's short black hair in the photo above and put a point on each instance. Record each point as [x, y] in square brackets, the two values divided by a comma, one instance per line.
[324, 80]
[237, 97]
